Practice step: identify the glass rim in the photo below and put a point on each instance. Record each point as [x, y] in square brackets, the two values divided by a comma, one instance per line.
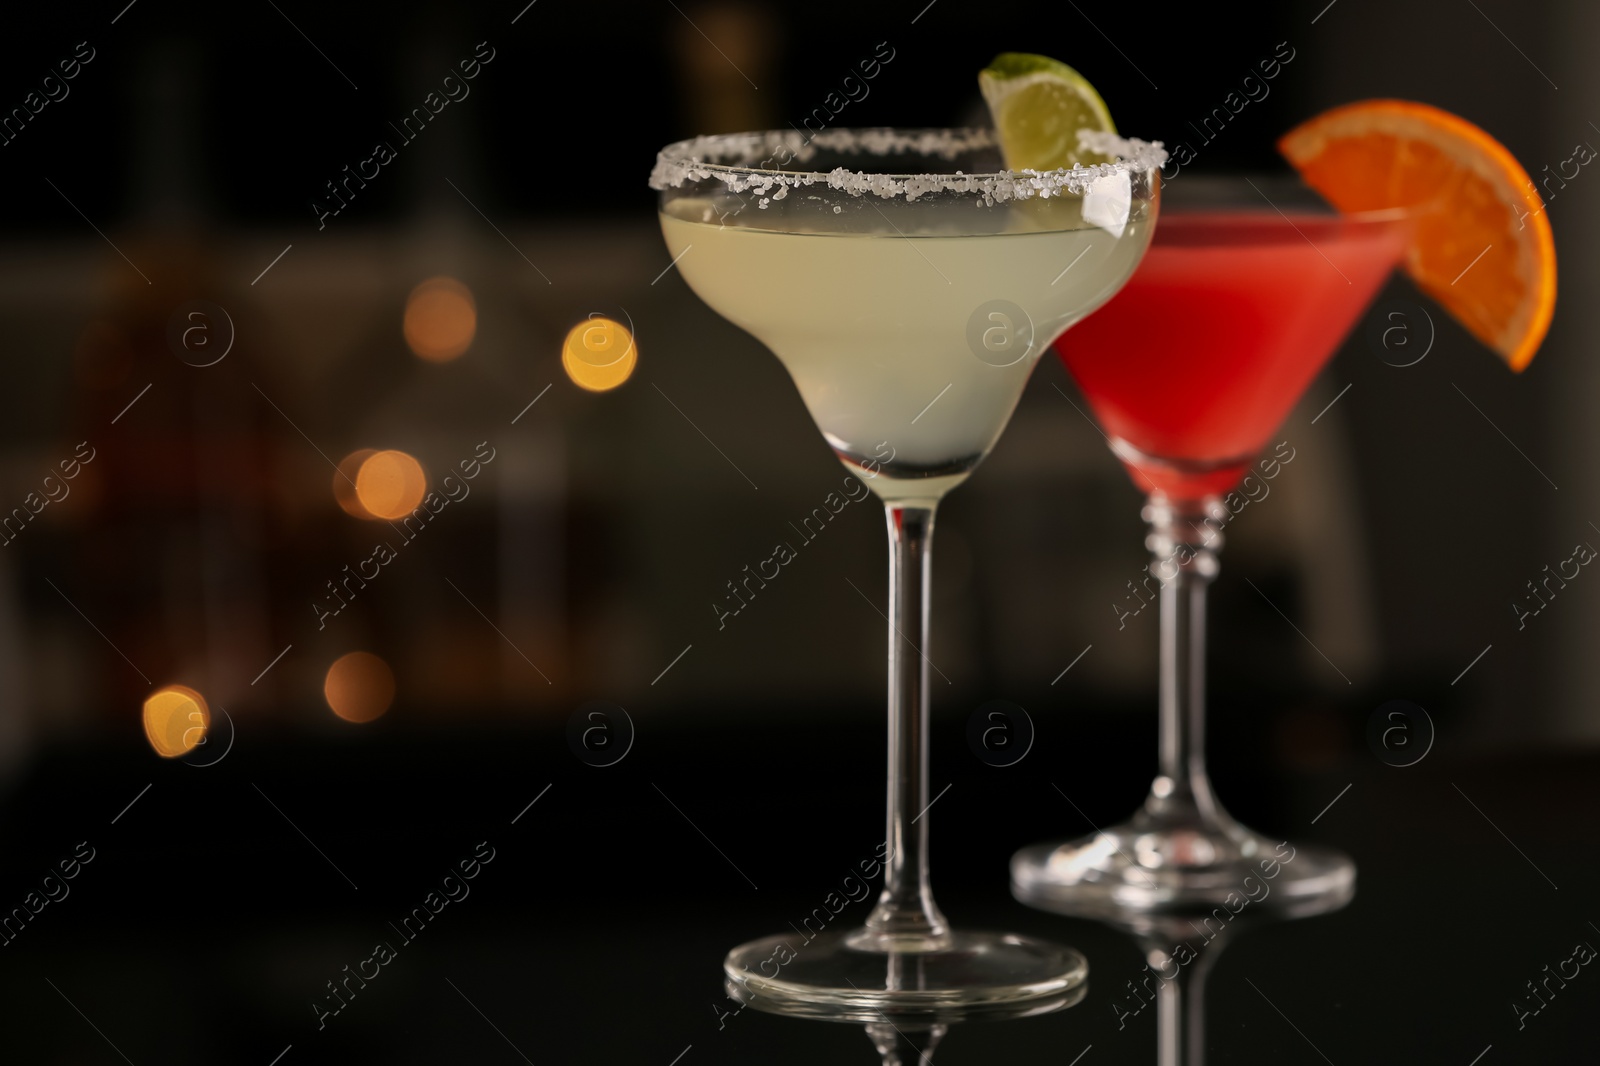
[1378, 216]
[1173, 204]
[694, 160]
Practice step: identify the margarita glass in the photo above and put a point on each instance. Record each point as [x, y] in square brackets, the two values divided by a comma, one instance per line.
[1190, 371]
[908, 284]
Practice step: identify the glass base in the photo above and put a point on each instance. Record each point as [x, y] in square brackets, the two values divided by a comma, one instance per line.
[1148, 865]
[971, 975]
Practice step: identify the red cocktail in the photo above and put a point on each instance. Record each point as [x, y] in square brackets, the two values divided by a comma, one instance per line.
[1195, 363]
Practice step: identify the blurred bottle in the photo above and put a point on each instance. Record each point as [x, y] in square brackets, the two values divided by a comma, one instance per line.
[723, 52]
[170, 530]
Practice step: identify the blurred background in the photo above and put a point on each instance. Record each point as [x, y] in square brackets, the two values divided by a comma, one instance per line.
[237, 360]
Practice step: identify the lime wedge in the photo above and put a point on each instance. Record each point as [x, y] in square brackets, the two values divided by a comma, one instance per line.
[1039, 104]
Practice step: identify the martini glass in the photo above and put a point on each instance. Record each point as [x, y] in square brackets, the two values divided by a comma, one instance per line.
[908, 284]
[1190, 371]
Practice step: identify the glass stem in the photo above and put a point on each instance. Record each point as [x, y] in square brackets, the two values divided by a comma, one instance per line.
[1181, 1014]
[899, 1047]
[1184, 539]
[906, 918]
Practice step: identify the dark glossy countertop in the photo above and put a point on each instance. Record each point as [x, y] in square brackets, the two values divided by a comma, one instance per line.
[209, 915]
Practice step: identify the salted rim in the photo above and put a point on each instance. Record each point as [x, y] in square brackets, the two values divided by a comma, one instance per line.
[726, 157]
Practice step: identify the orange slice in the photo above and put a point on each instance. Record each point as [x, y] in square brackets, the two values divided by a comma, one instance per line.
[1481, 245]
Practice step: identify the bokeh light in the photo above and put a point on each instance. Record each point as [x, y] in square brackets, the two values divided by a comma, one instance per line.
[176, 719]
[390, 484]
[441, 320]
[344, 483]
[359, 686]
[599, 354]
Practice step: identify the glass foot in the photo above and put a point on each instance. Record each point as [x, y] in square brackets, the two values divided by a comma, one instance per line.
[1145, 865]
[970, 975]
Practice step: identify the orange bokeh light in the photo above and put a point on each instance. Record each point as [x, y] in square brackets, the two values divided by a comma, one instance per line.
[344, 483]
[389, 484]
[441, 319]
[359, 686]
[599, 354]
[176, 719]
